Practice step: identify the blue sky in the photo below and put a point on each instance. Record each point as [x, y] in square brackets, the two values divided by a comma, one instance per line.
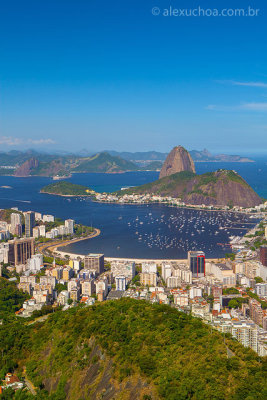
[109, 75]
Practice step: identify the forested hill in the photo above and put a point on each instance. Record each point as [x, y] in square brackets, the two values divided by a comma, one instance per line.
[131, 349]
[64, 188]
[222, 188]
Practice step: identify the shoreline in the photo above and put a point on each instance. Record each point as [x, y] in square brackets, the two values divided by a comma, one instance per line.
[75, 256]
[190, 207]
[177, 207]
[66, 195]
[42, 247]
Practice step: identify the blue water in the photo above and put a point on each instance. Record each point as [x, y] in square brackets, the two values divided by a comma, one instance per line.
[158, 232]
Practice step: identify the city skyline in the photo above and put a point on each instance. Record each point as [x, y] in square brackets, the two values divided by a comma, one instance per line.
[113, 76]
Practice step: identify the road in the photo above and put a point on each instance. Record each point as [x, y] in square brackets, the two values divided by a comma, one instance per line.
[28, 383]
[230, 354]
[43, 248]
[39, 319]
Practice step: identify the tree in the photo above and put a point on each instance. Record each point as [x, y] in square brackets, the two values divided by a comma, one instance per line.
[233, 304]
[258, 279]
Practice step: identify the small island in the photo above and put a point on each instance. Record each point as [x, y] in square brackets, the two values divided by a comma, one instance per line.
[64, 188]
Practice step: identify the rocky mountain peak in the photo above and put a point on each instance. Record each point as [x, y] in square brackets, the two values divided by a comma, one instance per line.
[178, 160]
[27, 167]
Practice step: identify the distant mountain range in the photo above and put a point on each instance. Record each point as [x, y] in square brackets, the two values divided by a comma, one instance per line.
[32, 163]
[198, 156]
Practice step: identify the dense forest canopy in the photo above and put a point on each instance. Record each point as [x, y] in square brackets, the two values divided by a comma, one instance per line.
[178, 356]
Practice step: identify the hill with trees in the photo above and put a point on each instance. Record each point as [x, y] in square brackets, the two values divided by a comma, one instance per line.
[104, 162]
[64, 188]
[222, 187]
[131, 349]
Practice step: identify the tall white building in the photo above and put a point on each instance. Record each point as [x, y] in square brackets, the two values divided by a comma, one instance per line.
[246, 333]
[42, 230]
[16, 219]
[63, 230]
[120, 282]
[261, 289]
[69, 224]
[4, 252]
[166, 271]
[195, 292]
[125, 268]
[35, 263]
[173, 282]
[88, 287]
[101, 286]
[38, 216]
[36, 232]
[48, 218]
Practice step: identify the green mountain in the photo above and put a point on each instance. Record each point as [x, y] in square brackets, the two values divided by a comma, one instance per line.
[104, 162]
[222, 187]
[130, 350]
[41, 165]
[153, 166]
[64, 188]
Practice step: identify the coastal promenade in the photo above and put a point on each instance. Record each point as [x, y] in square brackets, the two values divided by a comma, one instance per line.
[45, 248]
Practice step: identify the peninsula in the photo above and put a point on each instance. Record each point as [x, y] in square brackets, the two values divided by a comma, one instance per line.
[179, 180]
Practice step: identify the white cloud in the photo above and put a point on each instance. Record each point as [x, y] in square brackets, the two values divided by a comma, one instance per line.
[259, 107]
[254, 106]
[10, 141]
[13, 141]
[248, 84]
[41, 141]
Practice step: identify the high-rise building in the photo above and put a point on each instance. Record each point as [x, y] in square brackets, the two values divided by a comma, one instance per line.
[42, 230]
[18, 230]
[88, 287]
[94, 262]
[196, 260]
[48, 218]
[15, 220]
[120, 282]
[29, 223]
[261, 289]
[263, 255]
[246, 333]
[69, 224]
[20, 250]
[148, 279]
[36, 232]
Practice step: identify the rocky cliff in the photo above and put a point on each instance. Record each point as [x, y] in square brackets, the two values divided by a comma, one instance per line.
[178, 160]
[222, 188]
[26, 168]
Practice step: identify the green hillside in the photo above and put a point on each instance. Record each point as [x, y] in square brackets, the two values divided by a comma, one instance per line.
[65, 188]
[222, 187]
[5, 215]
[11, 299]
[104, 162]
[130, 349]
[153, 166]
[164, 185]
